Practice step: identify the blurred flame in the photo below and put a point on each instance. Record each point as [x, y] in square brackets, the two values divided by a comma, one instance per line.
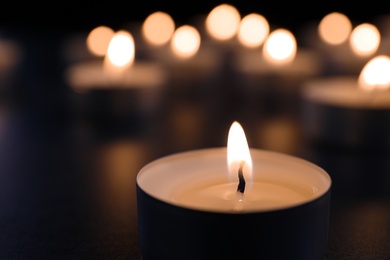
[253, 30]
[238, 151]
[223, 21]
[335, 28]
[365, 39]
[98, 40]
[280, 47]
[375, 74]
[158, 28]
[185, 41]
[120, 53]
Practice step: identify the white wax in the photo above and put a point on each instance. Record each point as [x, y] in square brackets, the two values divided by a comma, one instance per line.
[198, 180]
[221, 195]
[343, 91]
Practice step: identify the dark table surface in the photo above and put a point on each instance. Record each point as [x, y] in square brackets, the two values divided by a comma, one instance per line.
[67, 183]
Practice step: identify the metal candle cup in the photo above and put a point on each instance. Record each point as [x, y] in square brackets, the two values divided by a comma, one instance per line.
[173, 225]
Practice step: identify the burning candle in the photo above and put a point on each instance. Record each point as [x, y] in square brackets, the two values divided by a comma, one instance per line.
[272, 75]
[116, 70]
[116, 87]
[350, 110]
[234, 203]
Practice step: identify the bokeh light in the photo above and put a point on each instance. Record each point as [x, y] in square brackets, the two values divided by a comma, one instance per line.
[335, 28]
[223, 21]
[253, 30]
[98, 40]
[158, 28]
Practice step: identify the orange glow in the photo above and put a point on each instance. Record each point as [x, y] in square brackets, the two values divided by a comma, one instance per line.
[280, 47]
[335, 28]
[223, 22]
[365, 39]
[158, 28]
[98, 40]
[120, 53]
[375, 74]
[185, 41]
[238, 151]
[253, 30]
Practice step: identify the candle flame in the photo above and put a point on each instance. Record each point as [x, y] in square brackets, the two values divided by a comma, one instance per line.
[365, 39]
[335, 28]
[120, 53]
[280, 47]
[223, 21]
[238, 152]
[375, 74]
[253, 30]
[185, 41]
[98, 40]
[158, 28]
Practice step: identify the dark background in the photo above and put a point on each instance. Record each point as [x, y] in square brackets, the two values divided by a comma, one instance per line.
[69, 16]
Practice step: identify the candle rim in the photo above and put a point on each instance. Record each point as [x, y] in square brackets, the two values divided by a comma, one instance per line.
[218, 151]
[322, 90]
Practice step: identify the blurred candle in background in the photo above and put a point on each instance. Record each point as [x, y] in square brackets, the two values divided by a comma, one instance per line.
[271, 76]
[185, 42]
[253, 30]
[222, 23]
[280, 48]
[151, 35]
[158, 27]
[270, 79]
[219, 33]
[334, 28]
[116, 91]
[349, 111]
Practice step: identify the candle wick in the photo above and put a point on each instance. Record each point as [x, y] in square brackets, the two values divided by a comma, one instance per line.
[241, 180]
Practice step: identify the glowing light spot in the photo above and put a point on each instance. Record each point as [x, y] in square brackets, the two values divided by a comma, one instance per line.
[98, 40]
[158, 28]
[253, 30]
[120, 55]
[280, 47]
[185, 41]
[335, 28]
[223, 22]
[375, 74]
[365, 39]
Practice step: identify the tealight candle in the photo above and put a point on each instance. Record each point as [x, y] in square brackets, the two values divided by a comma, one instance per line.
[347, 110]
[271, 76]
[116, 87]
[234, 203]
